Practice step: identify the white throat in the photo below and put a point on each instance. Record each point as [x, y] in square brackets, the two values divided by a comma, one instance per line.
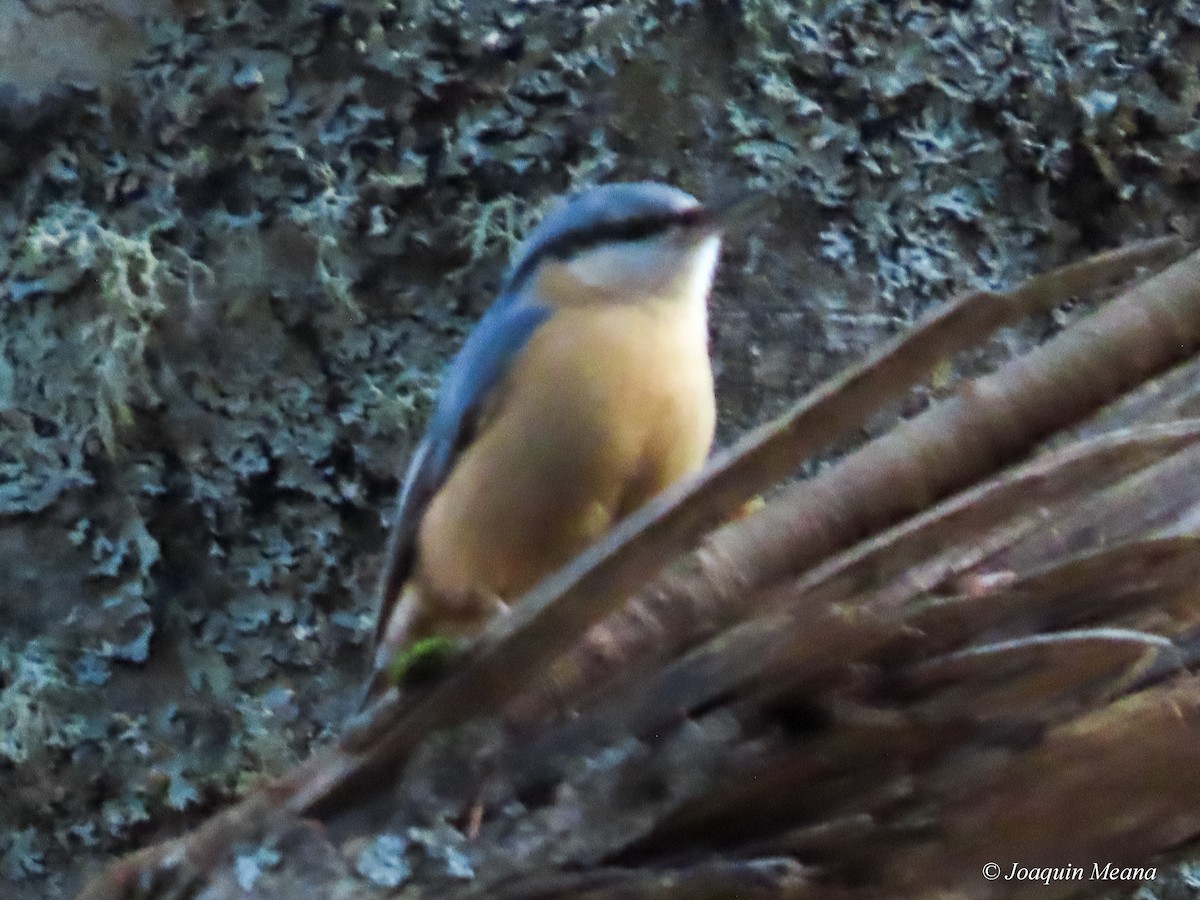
[651, 271]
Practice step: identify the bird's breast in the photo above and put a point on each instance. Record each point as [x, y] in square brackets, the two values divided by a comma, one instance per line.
[606, 405]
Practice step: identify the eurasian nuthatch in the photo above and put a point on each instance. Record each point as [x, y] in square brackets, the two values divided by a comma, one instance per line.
[584, 390]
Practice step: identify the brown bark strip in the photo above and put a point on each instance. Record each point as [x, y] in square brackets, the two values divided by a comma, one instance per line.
[1133, 766]
[978, 523]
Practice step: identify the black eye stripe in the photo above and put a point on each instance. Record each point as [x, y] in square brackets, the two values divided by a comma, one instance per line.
[572, 243]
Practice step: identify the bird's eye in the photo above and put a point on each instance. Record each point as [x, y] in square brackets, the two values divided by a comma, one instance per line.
[677, 231]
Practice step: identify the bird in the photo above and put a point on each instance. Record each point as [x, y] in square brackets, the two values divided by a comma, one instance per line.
[583, 391]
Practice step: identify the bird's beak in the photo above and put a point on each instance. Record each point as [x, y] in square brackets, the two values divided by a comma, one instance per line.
[736, 212]
[739, 210]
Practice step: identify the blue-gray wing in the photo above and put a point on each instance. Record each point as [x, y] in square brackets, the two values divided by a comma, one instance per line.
[476, 371]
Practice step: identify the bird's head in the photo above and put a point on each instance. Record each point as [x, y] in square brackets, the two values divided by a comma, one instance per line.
[627, 242]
